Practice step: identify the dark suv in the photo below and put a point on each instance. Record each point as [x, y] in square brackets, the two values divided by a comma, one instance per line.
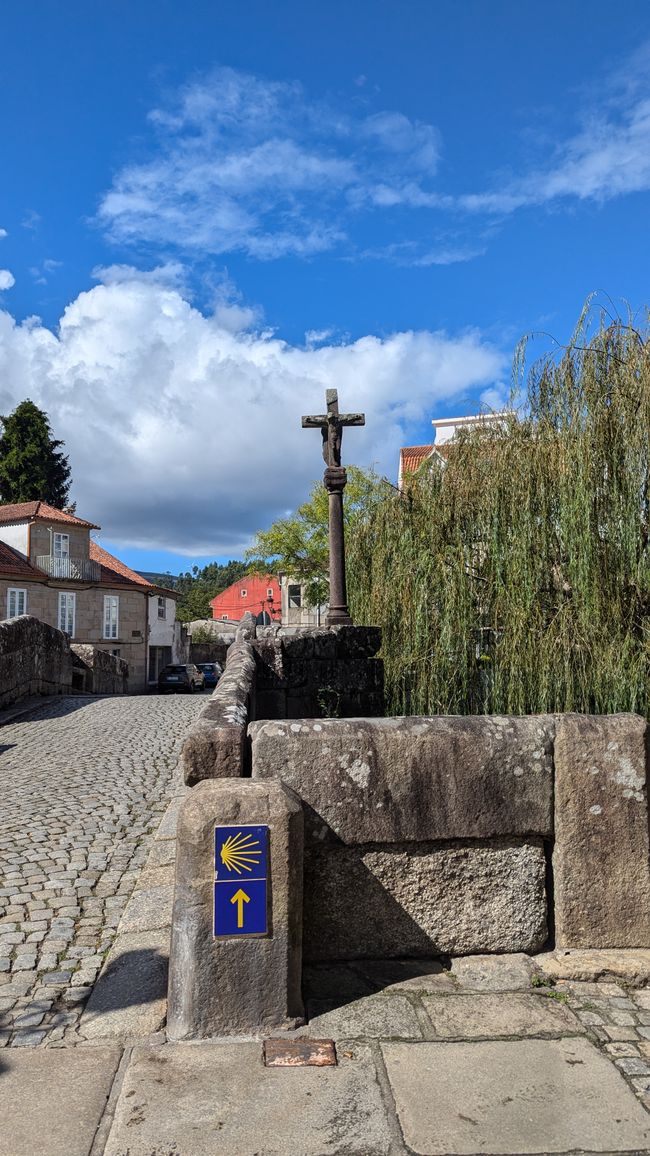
[180, 677]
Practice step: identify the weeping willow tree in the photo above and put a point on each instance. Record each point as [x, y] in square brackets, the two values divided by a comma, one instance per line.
[514, 575]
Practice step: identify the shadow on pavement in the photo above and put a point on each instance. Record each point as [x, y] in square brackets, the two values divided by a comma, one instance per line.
[338, 983]
[132, 978]
[57, 706]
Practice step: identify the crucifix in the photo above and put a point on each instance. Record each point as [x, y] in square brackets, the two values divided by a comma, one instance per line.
[334, 479]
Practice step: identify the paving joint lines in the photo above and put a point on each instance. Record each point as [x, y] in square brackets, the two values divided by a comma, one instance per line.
[83, 786]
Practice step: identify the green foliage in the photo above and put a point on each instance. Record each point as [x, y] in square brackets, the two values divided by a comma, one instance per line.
[199, 586]
[298, 546]
[32, 467]
[515, 578]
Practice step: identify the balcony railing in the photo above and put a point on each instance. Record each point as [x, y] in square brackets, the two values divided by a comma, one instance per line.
[79, 569]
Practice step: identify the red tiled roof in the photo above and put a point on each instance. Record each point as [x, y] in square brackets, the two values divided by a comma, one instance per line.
[411, 457]
[14, 563]
[21, 511]
[113, 571]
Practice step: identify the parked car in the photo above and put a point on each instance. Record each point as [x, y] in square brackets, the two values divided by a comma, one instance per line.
[176, 676]
[211, 672]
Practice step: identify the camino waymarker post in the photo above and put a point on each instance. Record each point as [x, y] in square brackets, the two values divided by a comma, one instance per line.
[241, 867]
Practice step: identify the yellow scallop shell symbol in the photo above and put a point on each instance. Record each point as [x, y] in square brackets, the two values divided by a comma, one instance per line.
[239, 853]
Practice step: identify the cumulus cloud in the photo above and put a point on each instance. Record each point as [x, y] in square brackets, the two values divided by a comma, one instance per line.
[7, 279]
[244, 164]
[3, 234]
[183, 428]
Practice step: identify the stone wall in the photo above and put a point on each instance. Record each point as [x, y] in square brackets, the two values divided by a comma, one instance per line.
[214, 651]
[467, 834]
[274, 674]
[98, 672]
[328, 672]
[435, 835]
[216, 747]
[34, 659]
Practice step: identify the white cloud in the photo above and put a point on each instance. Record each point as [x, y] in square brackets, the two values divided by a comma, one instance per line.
[3, 234]
[245, 164]
[7, 279]
[608, 156]
[184, 431]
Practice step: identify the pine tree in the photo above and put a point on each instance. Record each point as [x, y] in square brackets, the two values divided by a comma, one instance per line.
[32, 467]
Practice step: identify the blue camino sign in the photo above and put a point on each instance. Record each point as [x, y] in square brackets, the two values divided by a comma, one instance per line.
[241, 868]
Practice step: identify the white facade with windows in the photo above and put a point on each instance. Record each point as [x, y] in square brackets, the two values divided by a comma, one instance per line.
[168, 639]
[294, 610]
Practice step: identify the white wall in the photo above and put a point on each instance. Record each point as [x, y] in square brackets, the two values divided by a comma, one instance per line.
[15, 536]
[161, 630]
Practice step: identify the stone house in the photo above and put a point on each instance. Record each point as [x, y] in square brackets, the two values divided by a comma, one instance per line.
[52, 569]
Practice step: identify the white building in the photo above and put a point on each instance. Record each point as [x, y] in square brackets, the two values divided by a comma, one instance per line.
[445, 430]
[294, 610]
[168, 639]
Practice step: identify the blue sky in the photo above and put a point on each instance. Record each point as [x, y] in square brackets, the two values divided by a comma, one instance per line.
[212, 212]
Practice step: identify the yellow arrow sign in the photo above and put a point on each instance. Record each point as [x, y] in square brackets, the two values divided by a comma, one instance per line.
[240, 898]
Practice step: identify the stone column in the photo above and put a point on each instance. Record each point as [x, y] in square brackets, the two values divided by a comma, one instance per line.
[238, 984]
[335, 480]
[601, 858]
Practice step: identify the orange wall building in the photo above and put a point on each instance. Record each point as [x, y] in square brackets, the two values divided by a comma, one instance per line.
[259, 593]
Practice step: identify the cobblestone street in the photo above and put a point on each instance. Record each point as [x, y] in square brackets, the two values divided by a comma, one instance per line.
[83, 786]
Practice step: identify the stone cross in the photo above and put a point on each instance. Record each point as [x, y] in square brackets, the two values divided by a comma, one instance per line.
[335, 478]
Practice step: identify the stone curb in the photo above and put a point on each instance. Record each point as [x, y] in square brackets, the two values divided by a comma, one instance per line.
[129, 999]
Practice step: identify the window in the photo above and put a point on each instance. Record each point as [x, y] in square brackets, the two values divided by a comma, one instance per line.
[61, 545]
[162, 607]
[224, 617]
[243, 593]
[115, 653]
[67, 612]
[111, 615]
[269, 592]
[16, 602]
[295, 597]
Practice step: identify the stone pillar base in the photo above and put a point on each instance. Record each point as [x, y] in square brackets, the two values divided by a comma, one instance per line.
[242, 984]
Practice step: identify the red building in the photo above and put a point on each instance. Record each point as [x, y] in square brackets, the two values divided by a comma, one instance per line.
[259, 593]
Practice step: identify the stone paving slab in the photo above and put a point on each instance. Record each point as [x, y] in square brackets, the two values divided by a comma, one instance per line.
[374, 1017]
[495, 1014]
[211, 1099]
[520, 1096]
[52, 1102]
[494, 972]
[148, 909]
[629, 964]
[130, 996]
[408, 975]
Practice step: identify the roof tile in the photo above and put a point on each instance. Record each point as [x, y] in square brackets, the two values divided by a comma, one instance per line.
[113, 571]
[12, 562]
[21, 511]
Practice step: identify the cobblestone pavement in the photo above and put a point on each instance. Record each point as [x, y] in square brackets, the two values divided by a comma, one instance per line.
[83, 785]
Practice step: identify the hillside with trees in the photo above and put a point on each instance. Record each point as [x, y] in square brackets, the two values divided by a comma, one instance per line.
[198, 586]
